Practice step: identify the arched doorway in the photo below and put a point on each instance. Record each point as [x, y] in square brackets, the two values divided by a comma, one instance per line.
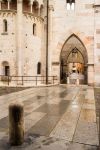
[5, 68]
[73, 61]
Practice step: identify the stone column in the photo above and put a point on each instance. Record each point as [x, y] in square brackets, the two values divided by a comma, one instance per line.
[50, 22]
[91, 74]
[50, 38]
[31, 6]
[19, 38]
[9, 4]
[0, 4]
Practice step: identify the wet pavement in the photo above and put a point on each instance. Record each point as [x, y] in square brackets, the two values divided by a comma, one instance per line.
[6, 90]
[97, 97]
[56, 118]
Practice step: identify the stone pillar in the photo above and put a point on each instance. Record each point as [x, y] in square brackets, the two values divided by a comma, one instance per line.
[0, 4]
[91, 74]
[19, 38]
[50, 37]
[9, 4]
[50, 22]
[16, 124]
[31, 6]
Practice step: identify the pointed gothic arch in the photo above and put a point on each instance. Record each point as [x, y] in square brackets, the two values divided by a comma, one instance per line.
[85, 50]
[68, 63]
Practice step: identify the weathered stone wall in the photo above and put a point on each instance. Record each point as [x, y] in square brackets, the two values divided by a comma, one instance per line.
[31, 44]
[79, 22]
[8, 41]
[97, 44]
[84, 22]
[20, 49]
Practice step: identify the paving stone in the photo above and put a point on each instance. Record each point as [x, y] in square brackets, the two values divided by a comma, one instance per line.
[88, 106]
[60, 112]
[66, 127]
[45, 125]
[4, 123]
[32, 119]
[53, 109]
[86, 133]
[88, 115]
[77, 146]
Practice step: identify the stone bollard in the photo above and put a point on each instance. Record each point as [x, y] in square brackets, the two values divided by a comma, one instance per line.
[16, 124]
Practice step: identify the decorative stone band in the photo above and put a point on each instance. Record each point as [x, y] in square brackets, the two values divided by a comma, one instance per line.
[35, 7]
[27, 14]
[30, 15]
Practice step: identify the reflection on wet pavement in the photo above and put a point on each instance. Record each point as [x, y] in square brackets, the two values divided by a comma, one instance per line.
[53, 109]
[56, 118]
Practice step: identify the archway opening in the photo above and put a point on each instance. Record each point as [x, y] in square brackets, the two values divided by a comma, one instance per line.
[6, 68]
[73, 62]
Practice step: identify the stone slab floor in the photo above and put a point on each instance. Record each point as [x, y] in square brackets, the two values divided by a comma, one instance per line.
[56, 118]
[7, 90]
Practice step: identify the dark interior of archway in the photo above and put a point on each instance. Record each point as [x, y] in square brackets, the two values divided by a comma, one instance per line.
[73, 60]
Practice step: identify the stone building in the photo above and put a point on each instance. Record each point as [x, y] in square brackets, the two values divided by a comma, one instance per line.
[73, 40]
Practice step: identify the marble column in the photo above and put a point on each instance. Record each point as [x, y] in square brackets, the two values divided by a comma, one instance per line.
[31, 6]
[9, 4]
[50, 38]
[91, 74]
[50, 22]
[0, 4]
[19, 38]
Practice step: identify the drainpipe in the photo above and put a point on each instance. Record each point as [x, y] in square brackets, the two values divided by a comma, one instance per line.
[47, 8]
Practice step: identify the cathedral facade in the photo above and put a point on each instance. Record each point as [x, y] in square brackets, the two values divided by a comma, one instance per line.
[73, 40]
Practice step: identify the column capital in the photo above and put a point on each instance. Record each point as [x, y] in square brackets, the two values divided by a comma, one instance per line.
[31, 3]
[0, 4]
